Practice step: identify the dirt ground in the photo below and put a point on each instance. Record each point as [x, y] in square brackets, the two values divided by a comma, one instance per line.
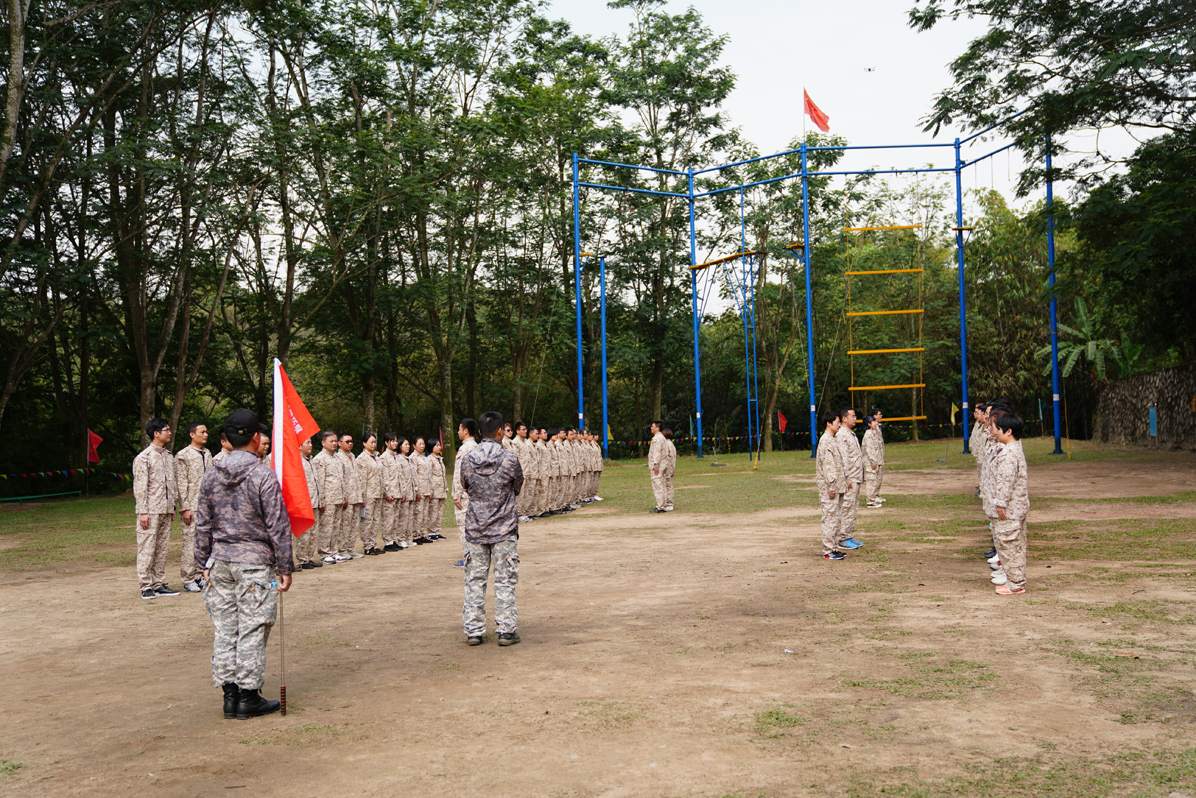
[687, 654]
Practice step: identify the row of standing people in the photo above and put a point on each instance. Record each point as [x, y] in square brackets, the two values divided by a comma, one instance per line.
[562, 468]
[166, 484]
[390, 500]
[1003, 490]
[844, 466]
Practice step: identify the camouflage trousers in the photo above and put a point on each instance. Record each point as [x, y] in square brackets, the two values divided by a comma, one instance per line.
[851, 508]
[326, 521]
[459, 517]
[668, 488]
[478, 558]
[346, 529]
[660, 491]
[434, 521]
[832, 521]
[872, 480]
[390, 521]
[152, 546]
[1010, 539]
[403, 511]
[241, 602]
[370, 526]
[189, 570]
[305, 544]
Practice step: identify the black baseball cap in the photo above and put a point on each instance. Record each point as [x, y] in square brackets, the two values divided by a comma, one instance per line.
[241, 422]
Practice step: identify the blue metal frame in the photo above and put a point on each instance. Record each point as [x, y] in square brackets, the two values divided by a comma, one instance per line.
[605, 409]
[747, 271]
[1050, 198]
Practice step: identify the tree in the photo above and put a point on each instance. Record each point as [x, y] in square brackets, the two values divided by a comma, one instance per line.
[1102, 63]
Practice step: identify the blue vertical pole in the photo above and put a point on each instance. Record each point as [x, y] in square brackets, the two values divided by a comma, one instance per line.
[581, 401]
[693, 279]
[742, 290]
[805, 223]
[963, 311]
[1050, 198]
[605, 412]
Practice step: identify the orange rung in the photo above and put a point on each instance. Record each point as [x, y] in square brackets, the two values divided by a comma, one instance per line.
[882, 312]
[887, 387]
[904, 418]
[891, 227]
[890, 271]
[885, 351]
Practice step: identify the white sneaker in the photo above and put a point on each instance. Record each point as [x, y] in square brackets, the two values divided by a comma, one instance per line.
[669, 509]
[193, 587]
[998, 578]
[331, 558]
[355, 555]
[597, 498]
[874, 504]
[996, 566]
[523, 519]
[574, 506]
[995, 558]
[341, 558]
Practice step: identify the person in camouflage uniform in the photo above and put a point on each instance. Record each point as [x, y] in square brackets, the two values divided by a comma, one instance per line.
[305, 544]
[370, 472]
[493, 479]
[243, 537]
[543, 464]
[346, 533]
[434, 520]
[1009, 502]
[225, 448]
[467, 433]
[189, 466]
[330, 475]
[656, 457]
[421, 472]
[392, 489]
[523, 449]
[853, 472]
[668, 468]
[874, 460]
[832, 483]
[155, 494]
[407, 518]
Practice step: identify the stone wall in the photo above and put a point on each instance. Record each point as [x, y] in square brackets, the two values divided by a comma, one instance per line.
[1122, 416]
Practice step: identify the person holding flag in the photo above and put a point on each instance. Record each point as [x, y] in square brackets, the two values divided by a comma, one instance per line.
[243, 538]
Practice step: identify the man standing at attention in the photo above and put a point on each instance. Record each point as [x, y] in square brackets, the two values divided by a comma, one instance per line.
[330, 475]
[656, 454]
[492, 478]
[467, 432]
[346, 533]
[190, 464]
[154, 490]
[305, 544]
[853, 471]
[831, 483]
[243, 537]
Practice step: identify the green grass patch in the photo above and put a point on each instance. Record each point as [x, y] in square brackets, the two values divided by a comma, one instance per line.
[8, 767]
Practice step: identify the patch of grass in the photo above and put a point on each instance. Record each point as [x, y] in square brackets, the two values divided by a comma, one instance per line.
[1139, 773]
[8, 767]
[767, 723]
[932, 679]
[307, 736]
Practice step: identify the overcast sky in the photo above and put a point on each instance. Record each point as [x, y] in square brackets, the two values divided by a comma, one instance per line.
[777, 47]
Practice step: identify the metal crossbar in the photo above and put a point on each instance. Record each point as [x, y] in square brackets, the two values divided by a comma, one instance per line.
[885, 351]
[882, 313]
[889, 271]
[887, 387]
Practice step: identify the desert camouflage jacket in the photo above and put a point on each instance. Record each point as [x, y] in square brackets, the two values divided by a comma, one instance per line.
[874, 448]
[189, 466]
[829, 466]
[153, 481]
[853, 458]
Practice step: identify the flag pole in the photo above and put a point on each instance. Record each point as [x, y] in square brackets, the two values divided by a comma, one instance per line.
[282, 659]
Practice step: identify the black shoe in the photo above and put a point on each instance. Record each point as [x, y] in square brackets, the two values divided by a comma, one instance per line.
[992, 552]
[373, 552]
[231, 694]
[149, 593]
[473, 641]
[508, 638]
[437, 537]
[316, 564]
[250, 704]
[164, 590]
[391, 547]
[835, 555]
[656, 510]
[419, 541]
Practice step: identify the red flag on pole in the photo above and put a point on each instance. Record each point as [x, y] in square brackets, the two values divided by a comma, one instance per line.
[820, 120]
[292, 425]
[93, 441]
[782, 421]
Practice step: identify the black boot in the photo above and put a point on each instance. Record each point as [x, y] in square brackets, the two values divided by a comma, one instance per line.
[250, 704]
[231, 694]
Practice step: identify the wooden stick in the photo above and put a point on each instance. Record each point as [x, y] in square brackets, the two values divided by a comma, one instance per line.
[282, 658]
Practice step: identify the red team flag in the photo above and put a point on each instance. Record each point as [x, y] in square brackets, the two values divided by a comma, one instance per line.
[820, 120]
[782, 420]
[292, 425]
[93, 442]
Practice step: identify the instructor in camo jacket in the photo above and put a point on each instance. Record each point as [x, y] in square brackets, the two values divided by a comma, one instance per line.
[243, 537]
[493, 478]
